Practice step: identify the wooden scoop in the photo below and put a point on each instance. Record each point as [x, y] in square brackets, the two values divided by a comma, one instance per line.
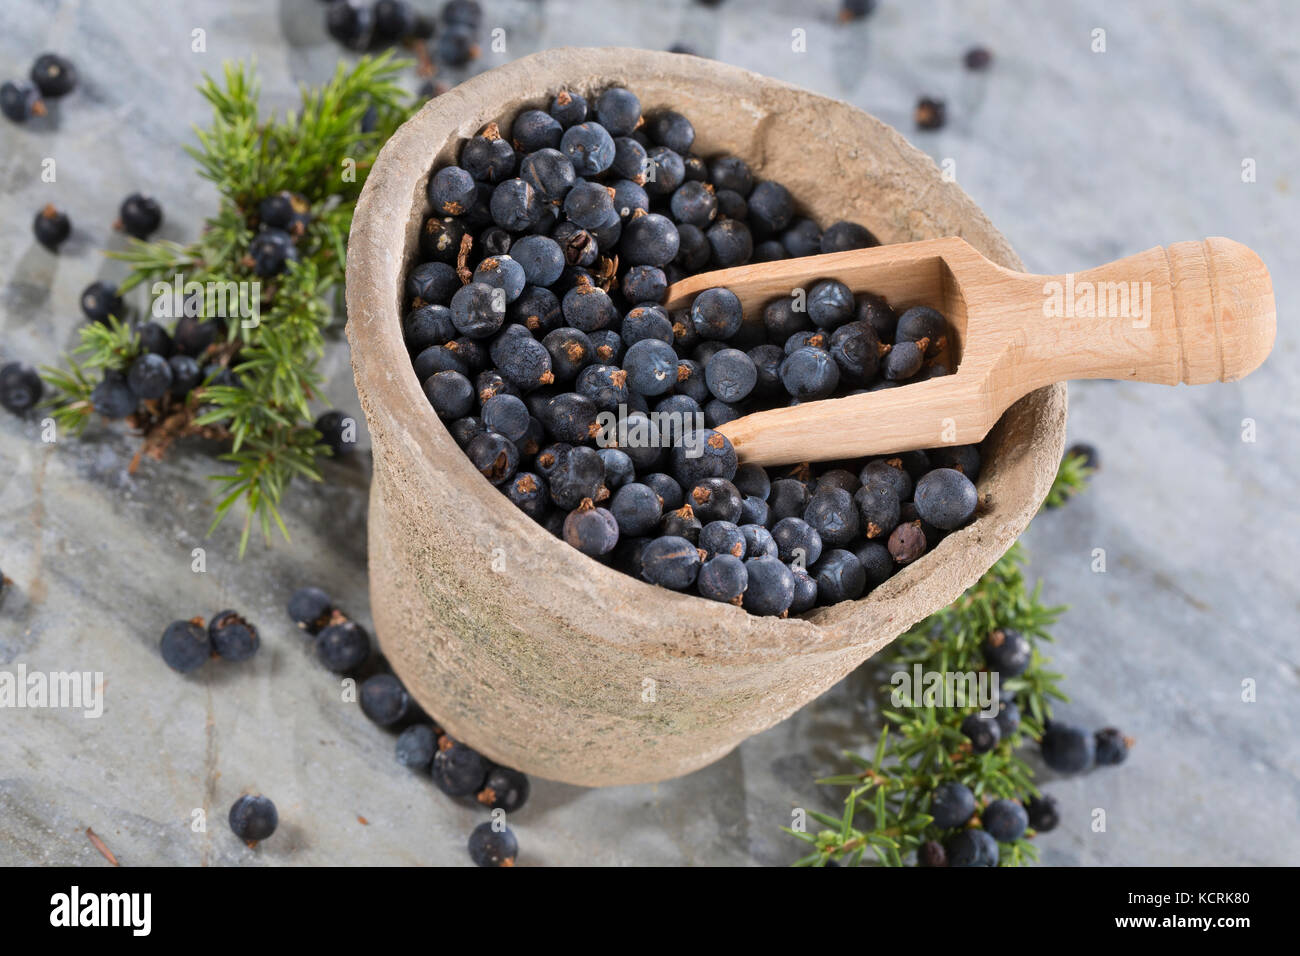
[1193, 312]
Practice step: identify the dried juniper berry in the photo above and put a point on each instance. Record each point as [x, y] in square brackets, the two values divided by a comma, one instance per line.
[487, 158]
[20, 387]
[1043, 813]
[771, 208]
[343, 646]
[722, 537]
[724, 578]
[591, 530]
[671, 562]
[945, 498]
[1112, 746]
[490, 846]
[20, 101]
[769, 591]
[964, 458]
[539, 257]
[730, 243]
[637, 509]
[665, 171]
[587, 307]
[619, 469]
[651, 367]
[504, 789]
[694, 203]
[576, 473]
[673, 130]
[549, 172]
[703, 454]
[384, 700]
[670, 493]
[839, 577]
[53, 75]
[1004, 820]
[952, 804]
[495, 457]
[51, 228]
[682, 523]
[310, 608]
[731, 375]
[907, 542]
[515, 205]
[571, 417]
[1007, 651]
[715, 499]
[253, 818]
[506, 415]
[809, 374]
[731, 172]
[971, 847]
[589, 147]
[831, 513]
[754, 511]
[890, 472]
[802, 238]
[478, 310]
[650, 240]
[982, 733]
[788, 498]
[450, 393]
[465, 430]
[416, 746]
[732, 205]
[782, 320]
[716, 314]
[438, 358]
[805, 591]
[856, 350]
[99, 300]
[618, 110]
[902, 361]
[843, 236]
[185, 645]
[797, 541]
[647, 322]
[1067, 748]
[605, 385]
[876, 561]
[568, 108]
[693, 249]
[830, 304]
[432, 282]
[232, 637]
[537, 309]
[140, 215]
[644, 283]
[878, 507]
[458, 770]
[535, 129]
[922, 324]
[530, 494]
[350, 24]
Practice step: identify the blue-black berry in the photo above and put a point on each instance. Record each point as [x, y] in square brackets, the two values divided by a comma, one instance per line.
[253, 818]
[185, 645]
[489, 846]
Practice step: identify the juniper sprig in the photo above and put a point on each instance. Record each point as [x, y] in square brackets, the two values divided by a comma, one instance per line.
[885, 817]
[322, 152]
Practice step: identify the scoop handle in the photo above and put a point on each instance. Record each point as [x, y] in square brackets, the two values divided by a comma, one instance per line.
[1191, 312]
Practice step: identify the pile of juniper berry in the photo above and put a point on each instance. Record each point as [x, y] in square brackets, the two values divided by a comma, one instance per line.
[535, 328]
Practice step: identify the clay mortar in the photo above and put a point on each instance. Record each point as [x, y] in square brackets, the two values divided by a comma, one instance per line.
[528, 650]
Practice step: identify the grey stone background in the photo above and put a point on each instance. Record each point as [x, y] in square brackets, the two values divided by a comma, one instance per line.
[1078, 156]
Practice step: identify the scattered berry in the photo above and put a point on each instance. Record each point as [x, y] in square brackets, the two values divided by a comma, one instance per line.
[457, 770]
[384, 700]
[53, 75]
[504, 789]
[1043, 813]
[930, 113]
[253, 818]
[185, 645]
[20, 387]
[232, 637]
[489, 846]
[343, 647]
[416, 746]
[51, 228]
[1067, 749]
[1112, 747]
[20, 102]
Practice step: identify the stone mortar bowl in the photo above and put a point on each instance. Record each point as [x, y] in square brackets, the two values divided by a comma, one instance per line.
[529, 651]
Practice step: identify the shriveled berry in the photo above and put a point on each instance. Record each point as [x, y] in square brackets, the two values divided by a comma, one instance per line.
[232, 637]
[591, 530]
[907, 542]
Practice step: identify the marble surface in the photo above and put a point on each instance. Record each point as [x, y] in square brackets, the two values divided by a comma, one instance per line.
[1078, 156]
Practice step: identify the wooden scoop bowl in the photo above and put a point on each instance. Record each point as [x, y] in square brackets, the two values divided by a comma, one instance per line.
[1192, 312]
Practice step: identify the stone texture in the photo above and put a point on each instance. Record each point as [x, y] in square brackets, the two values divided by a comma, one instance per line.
[1077, 157]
